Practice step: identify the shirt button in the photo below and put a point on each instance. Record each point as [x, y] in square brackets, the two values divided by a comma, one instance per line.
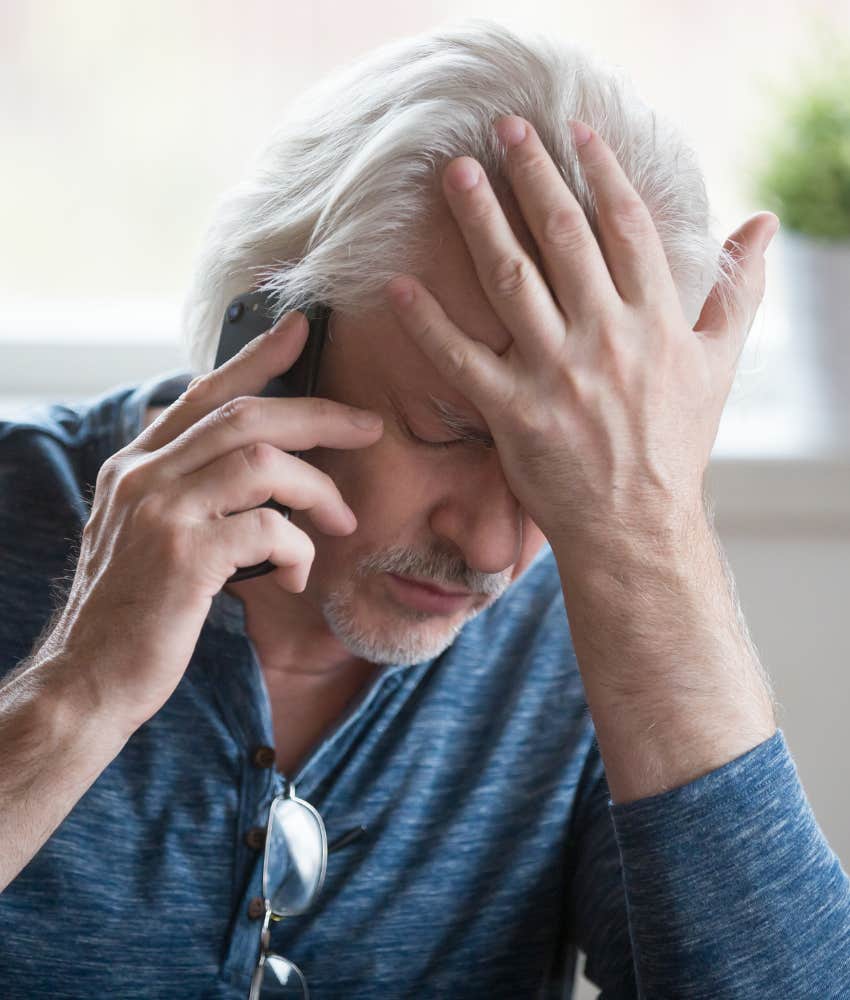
[263, 757]
[256, 908]
[255, 838]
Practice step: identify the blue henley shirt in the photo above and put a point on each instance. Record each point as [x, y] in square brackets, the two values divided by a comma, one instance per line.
[492, 850]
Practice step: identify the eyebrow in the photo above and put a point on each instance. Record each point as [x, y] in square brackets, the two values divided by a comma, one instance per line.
[456, 422]
[451, 418]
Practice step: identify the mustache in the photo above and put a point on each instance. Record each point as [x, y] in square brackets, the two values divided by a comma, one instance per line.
[442, 569]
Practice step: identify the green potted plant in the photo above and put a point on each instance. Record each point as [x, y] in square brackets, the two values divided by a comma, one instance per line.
[803, 175]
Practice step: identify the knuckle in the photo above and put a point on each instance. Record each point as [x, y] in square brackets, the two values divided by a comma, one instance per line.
[630, 216]
[326, 409]
[565, 227]
[240, 413]
[271, 522]
[532, 165]
[198, 387]
[509, 276]
[107, 475]
[589, 394]
[267, 519]
[456, 361]
[129, 482]
[259, 456]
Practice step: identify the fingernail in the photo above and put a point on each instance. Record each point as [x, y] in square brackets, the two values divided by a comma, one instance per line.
[464, 176]
[368, 421]
[400, 291]
[581, 133]
[511, 131]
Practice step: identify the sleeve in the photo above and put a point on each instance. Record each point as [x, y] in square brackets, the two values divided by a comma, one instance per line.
[731, 889]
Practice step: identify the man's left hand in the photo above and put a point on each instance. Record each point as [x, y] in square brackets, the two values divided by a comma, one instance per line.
[606, 405]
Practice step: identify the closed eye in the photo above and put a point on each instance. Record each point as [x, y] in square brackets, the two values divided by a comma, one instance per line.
[435, 444]
[444, 444]
[474, 439]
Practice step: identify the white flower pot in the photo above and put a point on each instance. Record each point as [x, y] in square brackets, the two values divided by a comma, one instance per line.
[817, 294]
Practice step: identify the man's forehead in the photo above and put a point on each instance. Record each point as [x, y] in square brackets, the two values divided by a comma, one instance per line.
[451, 275]
[380, 345]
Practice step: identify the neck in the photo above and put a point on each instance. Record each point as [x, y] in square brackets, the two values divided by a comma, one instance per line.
[290, 635]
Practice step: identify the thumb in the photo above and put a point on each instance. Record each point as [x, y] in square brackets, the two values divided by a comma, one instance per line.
[732, 303]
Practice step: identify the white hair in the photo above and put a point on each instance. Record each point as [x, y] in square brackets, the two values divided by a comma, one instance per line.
[339, 198]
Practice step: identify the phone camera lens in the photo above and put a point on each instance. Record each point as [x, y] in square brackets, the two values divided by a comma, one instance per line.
[234, 311]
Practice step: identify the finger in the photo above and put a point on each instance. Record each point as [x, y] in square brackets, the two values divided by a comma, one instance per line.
[250, 476]
[466, 364]
[257, 535]
[246, 373]
[573, 260]
[291, 424]
[507, 274]
[731, 306]
[631, 244]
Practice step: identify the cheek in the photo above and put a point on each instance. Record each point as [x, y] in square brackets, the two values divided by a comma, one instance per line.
[377, 479]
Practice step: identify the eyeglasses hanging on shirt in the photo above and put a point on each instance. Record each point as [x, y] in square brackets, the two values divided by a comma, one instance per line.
[294, 865]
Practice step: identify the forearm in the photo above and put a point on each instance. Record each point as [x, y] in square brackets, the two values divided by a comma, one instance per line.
[673, 682]
[54, 742]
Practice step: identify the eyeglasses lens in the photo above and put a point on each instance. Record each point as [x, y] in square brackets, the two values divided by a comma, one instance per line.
[281, 979]
[296, 856]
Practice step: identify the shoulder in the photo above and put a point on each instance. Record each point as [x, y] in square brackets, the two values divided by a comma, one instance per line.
[42, 455]
[55, 450]
[42, 508]
[50, 455]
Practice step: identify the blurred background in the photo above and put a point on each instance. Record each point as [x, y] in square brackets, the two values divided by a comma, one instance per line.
[121, 124]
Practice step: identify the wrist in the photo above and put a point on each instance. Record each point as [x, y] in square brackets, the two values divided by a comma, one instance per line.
[638, 581]
[54, 746]
[622, 552]
[75, 708]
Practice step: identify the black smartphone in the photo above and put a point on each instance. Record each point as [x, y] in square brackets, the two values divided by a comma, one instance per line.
[247, 316]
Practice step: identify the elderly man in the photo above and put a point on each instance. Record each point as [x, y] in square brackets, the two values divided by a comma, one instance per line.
[372, 772]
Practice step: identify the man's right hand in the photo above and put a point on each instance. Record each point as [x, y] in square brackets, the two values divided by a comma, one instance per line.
[159, 543]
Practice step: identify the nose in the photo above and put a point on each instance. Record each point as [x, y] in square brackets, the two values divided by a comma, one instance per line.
[478, 513]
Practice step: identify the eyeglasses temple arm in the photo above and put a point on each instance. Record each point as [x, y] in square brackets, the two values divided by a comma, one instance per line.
[345, 838]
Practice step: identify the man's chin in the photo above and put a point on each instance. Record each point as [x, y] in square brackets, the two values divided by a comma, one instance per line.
[375, 627]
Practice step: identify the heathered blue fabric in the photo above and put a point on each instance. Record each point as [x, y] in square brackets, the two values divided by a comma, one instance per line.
[492, 848]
